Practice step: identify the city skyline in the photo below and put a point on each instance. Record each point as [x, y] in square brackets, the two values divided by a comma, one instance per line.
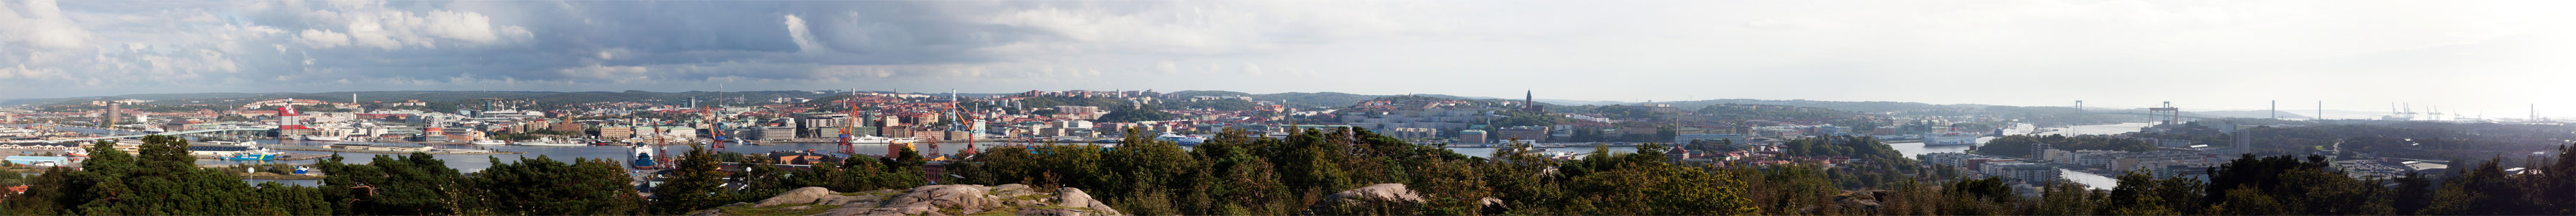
[2480, 57]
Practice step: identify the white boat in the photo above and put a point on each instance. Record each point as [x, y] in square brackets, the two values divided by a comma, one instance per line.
[322, 138]
[255, 154]
[488, 142]
[642, 156]
[1950, 138]
[546, 142]
[1183, 140]
[880, 140]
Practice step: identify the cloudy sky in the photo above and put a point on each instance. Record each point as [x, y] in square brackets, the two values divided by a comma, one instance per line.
[2490, 57]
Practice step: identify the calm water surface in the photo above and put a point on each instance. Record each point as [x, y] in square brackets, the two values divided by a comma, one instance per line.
[1912, 149]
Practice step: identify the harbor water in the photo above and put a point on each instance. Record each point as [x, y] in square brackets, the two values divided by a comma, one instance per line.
[1913, 149]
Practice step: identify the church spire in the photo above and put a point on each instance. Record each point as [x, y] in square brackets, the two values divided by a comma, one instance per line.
[1529, 101]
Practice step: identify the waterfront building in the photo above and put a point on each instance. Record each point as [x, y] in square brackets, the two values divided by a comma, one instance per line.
[775, 133]
[1471, 136]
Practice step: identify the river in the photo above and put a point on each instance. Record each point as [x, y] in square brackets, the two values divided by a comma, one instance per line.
[1913, 149]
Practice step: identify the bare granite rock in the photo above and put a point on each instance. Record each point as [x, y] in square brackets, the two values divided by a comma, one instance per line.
[845, 211]
[969, 199]
[1381, 192]
[1380, 199]
[797, 196]
[940, 200]
[1051, 212]
[846, 201]
[1074, 197]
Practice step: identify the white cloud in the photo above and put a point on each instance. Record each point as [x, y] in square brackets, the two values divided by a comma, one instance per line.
[42, 25]
[804, 38]
[21, 71]
[321, 38]
[372, 24]
[1167, 67]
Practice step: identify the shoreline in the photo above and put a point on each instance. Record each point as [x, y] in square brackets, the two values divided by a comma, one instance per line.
[302, 148]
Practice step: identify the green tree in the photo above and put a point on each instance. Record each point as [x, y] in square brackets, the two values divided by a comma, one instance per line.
[543, 186]
[695, 184]
[411, 184]
[2484, 190]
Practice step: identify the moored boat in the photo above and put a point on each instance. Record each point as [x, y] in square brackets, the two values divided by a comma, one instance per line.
[1183, 140]
[643, 156]
[880, 140]
[1949, 138]
[546, 142]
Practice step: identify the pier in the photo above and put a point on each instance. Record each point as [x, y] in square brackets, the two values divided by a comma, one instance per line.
[435, 152]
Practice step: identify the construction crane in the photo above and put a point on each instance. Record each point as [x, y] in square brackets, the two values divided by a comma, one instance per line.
[715, 128]
[852, 104]
[2407, 112]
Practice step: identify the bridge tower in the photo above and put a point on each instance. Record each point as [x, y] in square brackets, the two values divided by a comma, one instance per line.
[2171, 115]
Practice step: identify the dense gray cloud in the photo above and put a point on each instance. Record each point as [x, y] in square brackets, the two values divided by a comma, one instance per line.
[2221, 54]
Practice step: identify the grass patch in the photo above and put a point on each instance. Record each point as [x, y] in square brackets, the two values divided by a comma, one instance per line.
[998, 212]
[777, 210]
[1031, 197]
[1062, 207]
[1015, 210]
[870, 193]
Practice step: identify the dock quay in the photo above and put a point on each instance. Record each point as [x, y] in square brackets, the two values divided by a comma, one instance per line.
[280, 156]
[394, 151]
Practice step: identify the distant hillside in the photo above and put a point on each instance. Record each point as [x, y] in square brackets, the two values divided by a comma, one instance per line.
[1579, 102]
[2250, 114]
[1860, 106]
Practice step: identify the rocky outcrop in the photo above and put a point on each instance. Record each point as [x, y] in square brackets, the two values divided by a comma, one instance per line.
[1380, 199]
[1389, 192]
[1391, 199]
[1075, 198]
[940, 200]
[797, 196]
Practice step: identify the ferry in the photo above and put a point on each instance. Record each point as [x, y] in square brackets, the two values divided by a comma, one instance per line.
[322, 138]
[1184, 140]
[488, 142]
[229, 150]
[1951, 138]
[880, 140]
[253, 155]
[546, 142]
[643, 156]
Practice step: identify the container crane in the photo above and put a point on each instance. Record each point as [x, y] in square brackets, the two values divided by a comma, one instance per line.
[852, 103]
[715, 129]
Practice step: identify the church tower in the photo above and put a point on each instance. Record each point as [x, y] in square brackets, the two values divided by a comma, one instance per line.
[1529, 102]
